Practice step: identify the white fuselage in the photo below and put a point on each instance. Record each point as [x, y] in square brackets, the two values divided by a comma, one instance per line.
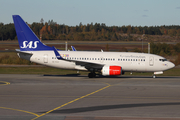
[129, 61]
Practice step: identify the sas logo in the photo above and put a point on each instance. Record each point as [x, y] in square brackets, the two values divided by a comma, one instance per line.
[30, 44]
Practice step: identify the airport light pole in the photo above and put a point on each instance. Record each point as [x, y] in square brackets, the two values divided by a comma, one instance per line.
[142, 41]
[66, 45]
[148, 48]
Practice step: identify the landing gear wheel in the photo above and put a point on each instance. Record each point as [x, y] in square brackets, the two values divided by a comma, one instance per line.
[92, 75]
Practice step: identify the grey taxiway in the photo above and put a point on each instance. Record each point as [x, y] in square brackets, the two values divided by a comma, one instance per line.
[78, 97]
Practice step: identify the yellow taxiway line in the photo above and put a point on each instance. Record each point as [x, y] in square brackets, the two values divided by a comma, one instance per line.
[5, 83]
[108, 85]
[20, 111]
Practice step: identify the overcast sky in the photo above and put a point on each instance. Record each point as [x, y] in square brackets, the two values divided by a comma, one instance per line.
[110, 12]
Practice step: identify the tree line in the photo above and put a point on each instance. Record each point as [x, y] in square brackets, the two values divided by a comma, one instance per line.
[90, 32]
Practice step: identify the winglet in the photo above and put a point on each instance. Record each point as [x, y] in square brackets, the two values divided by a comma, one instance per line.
[73, 48]
[57, 54]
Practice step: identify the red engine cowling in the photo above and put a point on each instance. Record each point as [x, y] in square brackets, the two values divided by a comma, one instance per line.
[111, 70]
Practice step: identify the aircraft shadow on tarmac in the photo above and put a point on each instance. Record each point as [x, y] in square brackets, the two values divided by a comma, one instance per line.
[100, 76]
[67, 75]
[109, 107]
[85, 76]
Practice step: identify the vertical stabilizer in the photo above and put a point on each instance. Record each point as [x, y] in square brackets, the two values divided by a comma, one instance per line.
[28, 41]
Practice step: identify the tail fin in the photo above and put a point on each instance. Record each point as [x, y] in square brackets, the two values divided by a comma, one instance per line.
[28, 41]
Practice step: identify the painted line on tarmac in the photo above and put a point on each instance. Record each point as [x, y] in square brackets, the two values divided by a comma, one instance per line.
[7, 83]
[19, 110]
[4, 83]
[108, 85]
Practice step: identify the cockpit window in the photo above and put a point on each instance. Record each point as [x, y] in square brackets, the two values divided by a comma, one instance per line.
[162, 60]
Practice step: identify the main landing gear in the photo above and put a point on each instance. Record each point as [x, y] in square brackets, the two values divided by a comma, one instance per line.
[92, 75]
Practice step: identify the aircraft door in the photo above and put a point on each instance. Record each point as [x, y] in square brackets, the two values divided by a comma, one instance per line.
[151, 61]
[45, 58]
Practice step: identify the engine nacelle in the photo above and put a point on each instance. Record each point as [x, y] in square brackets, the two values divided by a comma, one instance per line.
[111, 70]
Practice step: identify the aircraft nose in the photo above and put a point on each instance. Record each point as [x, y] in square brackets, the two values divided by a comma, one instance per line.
[171, 65]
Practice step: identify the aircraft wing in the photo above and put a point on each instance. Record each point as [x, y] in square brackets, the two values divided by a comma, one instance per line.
[87, 65]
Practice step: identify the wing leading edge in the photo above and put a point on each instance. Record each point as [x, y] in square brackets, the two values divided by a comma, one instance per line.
[87, 65]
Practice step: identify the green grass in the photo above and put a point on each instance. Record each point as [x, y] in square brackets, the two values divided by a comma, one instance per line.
[37, 70]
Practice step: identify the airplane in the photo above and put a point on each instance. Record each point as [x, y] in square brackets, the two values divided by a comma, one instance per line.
[105, 63]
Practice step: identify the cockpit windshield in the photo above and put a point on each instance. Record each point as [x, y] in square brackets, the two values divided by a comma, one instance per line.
[162, 60]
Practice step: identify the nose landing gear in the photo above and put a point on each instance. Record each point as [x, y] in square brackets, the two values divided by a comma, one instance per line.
[154, 76]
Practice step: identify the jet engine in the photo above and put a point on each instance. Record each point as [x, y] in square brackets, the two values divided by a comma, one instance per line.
[111, 70]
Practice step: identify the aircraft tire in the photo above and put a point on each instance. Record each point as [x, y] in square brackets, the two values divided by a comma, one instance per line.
[92, 75]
